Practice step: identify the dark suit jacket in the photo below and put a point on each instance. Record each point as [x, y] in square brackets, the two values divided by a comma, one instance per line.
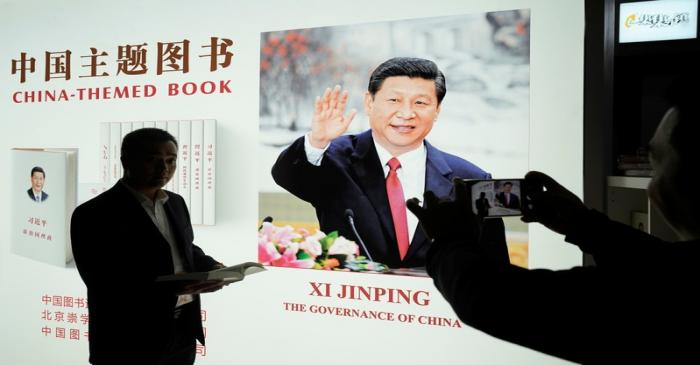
[44, 196]
[119, 252]
[351, 177]
[514, 202]
[638, 305]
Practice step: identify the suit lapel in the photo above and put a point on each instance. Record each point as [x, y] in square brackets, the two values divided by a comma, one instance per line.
[137, 213]
[438, 179]
[370, 176]
[177, 221]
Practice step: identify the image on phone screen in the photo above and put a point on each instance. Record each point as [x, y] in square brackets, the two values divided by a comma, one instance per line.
[497, 198]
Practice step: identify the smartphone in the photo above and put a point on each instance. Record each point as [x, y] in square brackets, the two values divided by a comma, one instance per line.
[498, 197]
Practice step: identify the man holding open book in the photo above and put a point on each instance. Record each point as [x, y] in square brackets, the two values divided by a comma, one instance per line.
[122, 241]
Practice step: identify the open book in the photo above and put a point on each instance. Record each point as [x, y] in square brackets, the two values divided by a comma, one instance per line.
[228, 274]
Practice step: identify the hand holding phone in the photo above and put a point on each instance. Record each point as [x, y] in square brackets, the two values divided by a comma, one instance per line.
[443, 218]
[552, 205]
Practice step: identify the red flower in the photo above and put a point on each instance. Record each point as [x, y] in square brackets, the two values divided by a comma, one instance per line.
[282, 51]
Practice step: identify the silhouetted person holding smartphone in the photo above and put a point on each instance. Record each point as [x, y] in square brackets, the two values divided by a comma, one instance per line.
[637, 305]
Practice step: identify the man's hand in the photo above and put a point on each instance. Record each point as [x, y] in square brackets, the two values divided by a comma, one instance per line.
[206, 286]
[446, 219]
[329, 120]
[552, 205]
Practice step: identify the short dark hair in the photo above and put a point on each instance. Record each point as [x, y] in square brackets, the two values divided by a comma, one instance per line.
[137, 143]
[411, 67]
[507, 183]
[37, 169]
[683, 95]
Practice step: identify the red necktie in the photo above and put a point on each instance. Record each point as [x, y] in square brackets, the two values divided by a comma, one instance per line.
[398, 206]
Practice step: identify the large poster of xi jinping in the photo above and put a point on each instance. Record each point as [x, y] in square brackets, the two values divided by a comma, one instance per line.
[356, 119]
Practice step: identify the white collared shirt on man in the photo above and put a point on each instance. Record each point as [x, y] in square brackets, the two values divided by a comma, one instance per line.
[156, 211]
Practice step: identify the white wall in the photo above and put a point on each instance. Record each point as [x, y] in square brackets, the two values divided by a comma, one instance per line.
[247, 322]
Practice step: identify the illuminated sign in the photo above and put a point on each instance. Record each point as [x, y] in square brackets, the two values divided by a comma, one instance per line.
[658, 20]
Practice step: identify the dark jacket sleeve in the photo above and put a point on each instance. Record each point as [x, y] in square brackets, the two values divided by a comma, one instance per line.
[102, 253]
[493, 240]
[202, 261]
[296, 174]
[614, 244]
[544, 310]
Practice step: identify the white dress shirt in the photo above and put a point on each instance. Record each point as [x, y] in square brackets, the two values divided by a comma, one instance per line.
[156, 211]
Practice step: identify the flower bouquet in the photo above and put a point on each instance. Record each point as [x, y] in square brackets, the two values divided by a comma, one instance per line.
[287, 247]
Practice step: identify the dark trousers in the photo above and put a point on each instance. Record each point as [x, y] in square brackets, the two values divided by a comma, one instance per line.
[181, 350]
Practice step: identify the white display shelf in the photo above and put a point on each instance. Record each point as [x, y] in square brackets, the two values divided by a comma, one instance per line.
[627, 200]
[630, 182]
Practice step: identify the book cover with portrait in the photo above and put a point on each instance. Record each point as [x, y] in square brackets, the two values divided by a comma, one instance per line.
[44, 195]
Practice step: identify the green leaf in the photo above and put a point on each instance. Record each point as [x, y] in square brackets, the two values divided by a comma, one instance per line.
[327, 242]
[302, 255]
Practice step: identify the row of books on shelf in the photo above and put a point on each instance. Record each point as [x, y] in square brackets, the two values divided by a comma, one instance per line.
[45, 188]
[195, 177]
[635, 165]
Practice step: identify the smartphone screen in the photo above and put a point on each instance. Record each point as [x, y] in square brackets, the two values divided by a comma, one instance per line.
[497, 198]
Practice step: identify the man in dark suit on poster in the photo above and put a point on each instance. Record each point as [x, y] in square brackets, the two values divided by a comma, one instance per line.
[507, 198]
[374, 172]
[122, 240]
